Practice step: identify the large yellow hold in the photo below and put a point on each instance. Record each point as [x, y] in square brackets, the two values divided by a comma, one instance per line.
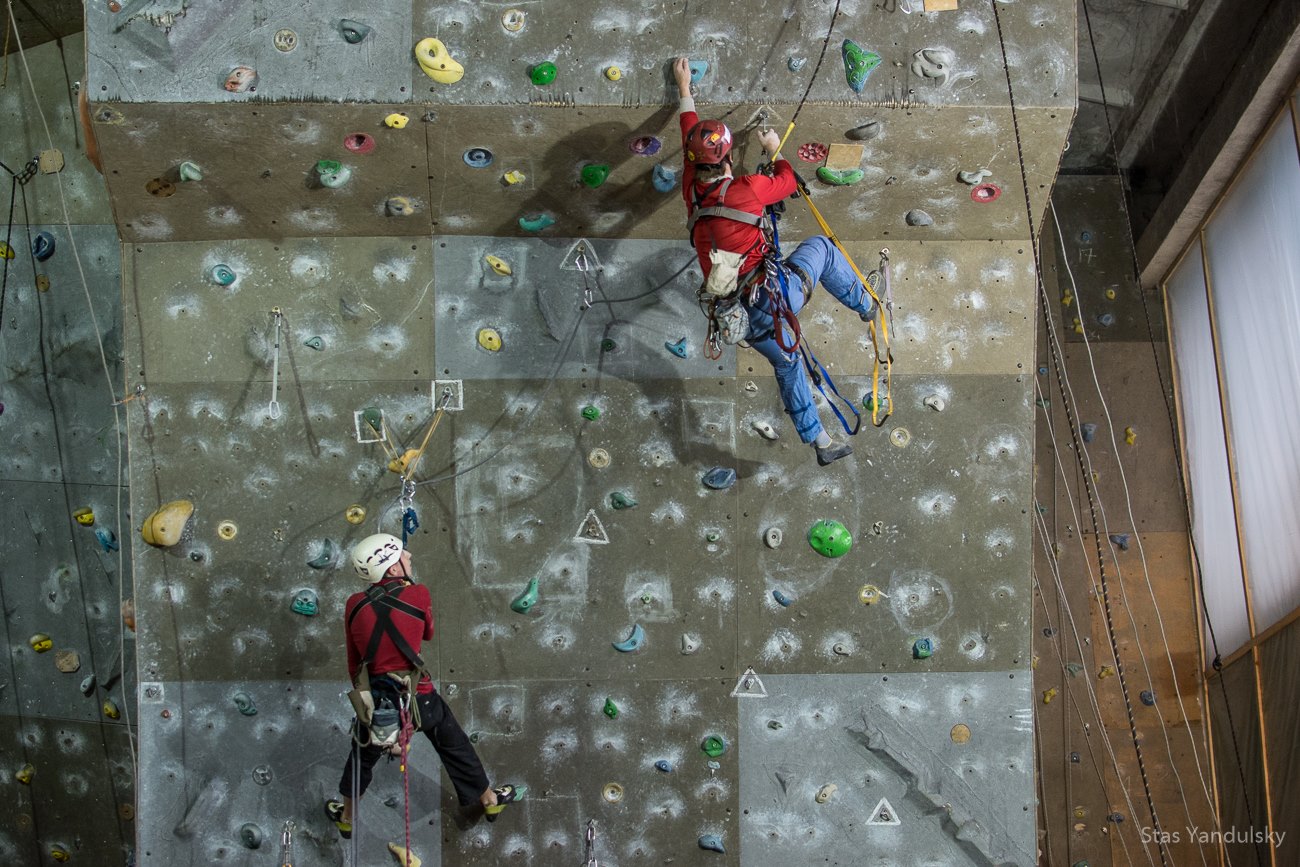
[436, 63]
[404, 856]
[164, 527]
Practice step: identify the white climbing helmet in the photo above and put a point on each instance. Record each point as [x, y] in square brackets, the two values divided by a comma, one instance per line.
[374, 555]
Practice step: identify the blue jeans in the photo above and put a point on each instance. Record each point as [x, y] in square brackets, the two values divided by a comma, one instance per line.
[823, 263]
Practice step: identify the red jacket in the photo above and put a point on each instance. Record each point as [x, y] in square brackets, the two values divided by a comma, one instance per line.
[388, 657]
[750, 193]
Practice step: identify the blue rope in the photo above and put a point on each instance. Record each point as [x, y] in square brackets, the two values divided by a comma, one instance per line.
[410, 523]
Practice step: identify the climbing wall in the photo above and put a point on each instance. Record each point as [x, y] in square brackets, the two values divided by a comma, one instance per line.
[315, 229]
[67, 691]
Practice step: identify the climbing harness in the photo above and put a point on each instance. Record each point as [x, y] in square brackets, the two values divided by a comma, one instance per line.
[273, 408]
[591, 845]
[384, 601]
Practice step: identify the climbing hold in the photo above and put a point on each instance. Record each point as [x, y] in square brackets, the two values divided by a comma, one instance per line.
[1148, 697]
[354, 32]
[1078, 326]
[263, 775]
[620, 500]
[396, 120]
[960, 733]
[305, 603]
[935, 402]
[794, 64]
[1111, 294]
[773, 537]
[1105, 672]
[524, 602]
[244, 703]
[775, 725]
[513, 177]
[489, 339]
[712, 843]
[1067, 299]
[436, 62]
[42, 246]
[250, 835]
[58, 853]
[865, 131]
[67, 661]
[478, 158]
[400, 464]
[824, 793]
[498, 265]
[6, 252]
[1049, 694]
[975, 177]
[536, 222]
[355, 514]
[918, 217]
[713, 746]
[332, 173]
[663, 178]
[1088, 430]
[164, 527]
[1073, 669]
[690, 643]
[1120, 540]
[241, 79]
[85, 517]
[315, 343]
[327, 556]
[812, 151]
[40, 642]
[107, 539]
[698, 69]
[719, 478]
[612, 792]
[1130, 436]
[985, 193]
[781, 599]
[590, 413]
[713, 535]
[189, 171]
[932, 64]
[405, 857]
[227, 530]
[1115, 817]
[922, 648]
[632, 642]
[765, 430]
[664, 765]
[678, 348]
[111, 710]
[900, 437]
[858, 64]
[598, 458]
[160, 187]
[1106, 320]
[645, 146]
[542, 74]
[611, 709]
[840, 649]
[594, 175]
[513, 20]
[399, 206]
[830, 538]
[613, 73]
[222, 275]
[840, 177]
[24, 774]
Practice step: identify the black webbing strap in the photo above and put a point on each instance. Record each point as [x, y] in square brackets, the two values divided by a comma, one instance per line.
[384, 602]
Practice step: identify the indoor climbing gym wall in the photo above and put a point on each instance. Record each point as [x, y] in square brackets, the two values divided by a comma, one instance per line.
[67, 692]
[444, 242]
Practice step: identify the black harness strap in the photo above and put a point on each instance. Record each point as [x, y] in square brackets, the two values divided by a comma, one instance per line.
[384, 602]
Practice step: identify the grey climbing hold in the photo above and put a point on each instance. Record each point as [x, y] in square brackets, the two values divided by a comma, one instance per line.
[1088, 430]
[632, 642]
[250, 835]
[354, 32]
[932, 64]
[712, 843]
[690, 643]
[263, 775]
[244, 702]
[315, 343]
[773, 537]
[88, 685]
[865, 131]
[796, 63]
[935, 402]
[765, 430]
[327, 556]
[1120, 540]
[189, 171]
[918, 217]
[781, 599]
[719, 478]
[974, 178]
[664, 765]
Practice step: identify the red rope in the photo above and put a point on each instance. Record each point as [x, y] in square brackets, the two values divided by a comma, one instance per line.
[404, 742]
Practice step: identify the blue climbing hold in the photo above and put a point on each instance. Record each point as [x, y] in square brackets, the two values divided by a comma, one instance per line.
[478, 158]
[664, 765]
[698, 69]
[1148, 697]
[632, 642]
[678, 348]
[43, 246]
[719, 478]
[712, 843]
[107, 539]
[781, 599]
[1089, 430]
[664, 178]
[1120, 540]
[922, 648]
[1106, 320]
[222, 275]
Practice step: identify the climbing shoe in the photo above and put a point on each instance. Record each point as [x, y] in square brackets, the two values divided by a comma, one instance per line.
[506, 794]
[873, 280]
[828, 454]
[334, 809]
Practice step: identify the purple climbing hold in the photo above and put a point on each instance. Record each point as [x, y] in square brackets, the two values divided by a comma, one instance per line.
[719, 478]
[645, 146]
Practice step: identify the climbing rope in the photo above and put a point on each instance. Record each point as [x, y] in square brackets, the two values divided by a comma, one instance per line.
[816, 69]
[273, 408]
[404, 743]
[1076, 440]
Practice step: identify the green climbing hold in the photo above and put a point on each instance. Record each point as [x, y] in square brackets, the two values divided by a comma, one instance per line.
[594, 175]
[524, 602]
[314, 343]
[372, 416]
[870, 403]
[190, 171]
[858, 63]
[536, 222]
[611, 709]
[608, 345]
[830, 538]
[839, 178]
[620, 500]
[542, 74]
[590, 413]
[922, 648]
[713, 746]
[328, 167]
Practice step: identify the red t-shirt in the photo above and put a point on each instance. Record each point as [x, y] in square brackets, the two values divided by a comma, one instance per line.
[388, 657]
[750, 193]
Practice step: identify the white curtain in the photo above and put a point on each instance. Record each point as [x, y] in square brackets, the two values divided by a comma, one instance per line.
[1213, 523]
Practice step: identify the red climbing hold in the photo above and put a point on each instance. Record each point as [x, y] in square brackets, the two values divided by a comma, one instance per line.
[985, 192]
[813, 152]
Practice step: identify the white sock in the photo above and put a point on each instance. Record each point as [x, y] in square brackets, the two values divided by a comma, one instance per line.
[822, 441]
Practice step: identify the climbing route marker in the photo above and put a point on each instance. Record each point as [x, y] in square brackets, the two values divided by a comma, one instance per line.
[591, 530]
[884, 814]
[438, 393]
[581, 257]
[749, 686]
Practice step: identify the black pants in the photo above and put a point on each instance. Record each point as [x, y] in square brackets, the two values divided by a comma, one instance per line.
[447, 737]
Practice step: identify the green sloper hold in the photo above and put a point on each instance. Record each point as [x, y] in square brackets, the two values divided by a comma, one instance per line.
[542, 74]
[858, 63]
[839, 178]
[524, 602]
[830, 538]
[590, 413]
[373, 417]
[620, 500]
[611, 709]
[713, 746]
[594, 175]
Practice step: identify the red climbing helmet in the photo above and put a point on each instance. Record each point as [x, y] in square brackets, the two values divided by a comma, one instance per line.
[708, 143]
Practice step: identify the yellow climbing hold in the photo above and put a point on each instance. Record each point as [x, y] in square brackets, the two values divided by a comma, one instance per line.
[613, 73]
[6, 252]
[164, 527]
[869, 594]
[355, 514]
[1049, 694]
[58, 853]
[227, 530]
[24, 774]
[1067, 299]
[85, 517]
[396, 120]
[399, 465]
[499, 265]
[1110, 294]
[1130, 435]
[111, 709]
[436, 63]
[825, 792]
[1106, 671]
[404, 856]
[40, 642]
[489, 339]
[1078, 326]
[960, 733]
[513, 177]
